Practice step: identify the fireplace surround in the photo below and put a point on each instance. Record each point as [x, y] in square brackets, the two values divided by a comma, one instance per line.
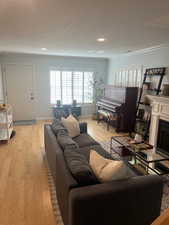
[159, 127]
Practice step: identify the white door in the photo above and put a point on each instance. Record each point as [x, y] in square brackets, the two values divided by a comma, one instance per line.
[19, 90]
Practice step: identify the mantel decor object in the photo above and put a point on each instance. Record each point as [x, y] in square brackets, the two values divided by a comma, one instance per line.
[138, 138]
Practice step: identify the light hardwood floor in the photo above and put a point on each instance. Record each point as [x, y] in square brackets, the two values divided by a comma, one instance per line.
[24, 192]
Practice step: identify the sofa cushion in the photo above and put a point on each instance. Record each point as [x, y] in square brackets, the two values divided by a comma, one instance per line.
[79, 167]
[65, 141]
[57, 127]
[86, 151]
[106, 169]
[84, 140]
[72, 125]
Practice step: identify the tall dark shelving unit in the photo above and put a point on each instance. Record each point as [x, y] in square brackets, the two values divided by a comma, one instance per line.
[149, 73]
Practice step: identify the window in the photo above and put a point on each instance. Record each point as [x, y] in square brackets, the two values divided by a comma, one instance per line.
[131, 77]
[78, 86]
[88, 88]
[67, 86]
[55, 84]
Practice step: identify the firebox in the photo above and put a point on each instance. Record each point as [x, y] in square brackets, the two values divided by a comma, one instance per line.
[163, 137]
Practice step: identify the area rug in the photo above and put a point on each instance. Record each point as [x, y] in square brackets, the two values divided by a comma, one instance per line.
[106, 146]
[165, 198]
[54, 201]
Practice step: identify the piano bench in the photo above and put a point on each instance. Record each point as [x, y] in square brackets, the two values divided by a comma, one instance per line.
[107, 117]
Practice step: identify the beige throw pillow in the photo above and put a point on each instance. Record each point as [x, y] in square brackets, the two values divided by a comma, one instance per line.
[72, 125]
[106, 169]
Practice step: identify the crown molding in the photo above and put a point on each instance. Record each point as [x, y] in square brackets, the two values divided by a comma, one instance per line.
[147, 50]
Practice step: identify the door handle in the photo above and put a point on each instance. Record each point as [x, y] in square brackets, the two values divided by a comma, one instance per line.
[31, 96]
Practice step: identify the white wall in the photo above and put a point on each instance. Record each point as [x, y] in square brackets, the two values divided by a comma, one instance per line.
[42, 65]
[155, 58]
[1, 88]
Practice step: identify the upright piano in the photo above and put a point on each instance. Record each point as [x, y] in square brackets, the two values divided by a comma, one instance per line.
[118, 107]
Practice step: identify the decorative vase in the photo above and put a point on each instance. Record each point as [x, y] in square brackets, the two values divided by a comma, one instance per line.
[138, 138]
[74, 103]
[58, 103]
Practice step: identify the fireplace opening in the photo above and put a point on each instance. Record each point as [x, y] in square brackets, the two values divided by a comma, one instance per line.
[163, 137]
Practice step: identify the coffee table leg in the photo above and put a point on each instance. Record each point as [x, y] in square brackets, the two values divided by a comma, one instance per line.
[147, 169]
[135, 159]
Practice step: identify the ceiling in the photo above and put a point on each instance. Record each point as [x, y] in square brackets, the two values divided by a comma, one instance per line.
[71, 27]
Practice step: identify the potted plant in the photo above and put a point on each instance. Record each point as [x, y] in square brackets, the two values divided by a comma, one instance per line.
[98, 91]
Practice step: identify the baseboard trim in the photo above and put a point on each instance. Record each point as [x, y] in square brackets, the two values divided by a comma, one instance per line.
[51, 117]
[45, 118]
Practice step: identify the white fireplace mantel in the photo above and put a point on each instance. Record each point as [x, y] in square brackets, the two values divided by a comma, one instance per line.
[158, 99]
[160, 110]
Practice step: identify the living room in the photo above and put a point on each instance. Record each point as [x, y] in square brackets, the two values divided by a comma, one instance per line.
[72, 90]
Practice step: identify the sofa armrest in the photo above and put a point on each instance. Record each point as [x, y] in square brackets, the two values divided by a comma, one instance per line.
[83, 127]
[135, 201]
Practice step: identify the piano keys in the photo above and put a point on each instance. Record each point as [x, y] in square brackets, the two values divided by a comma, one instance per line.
[118, 107]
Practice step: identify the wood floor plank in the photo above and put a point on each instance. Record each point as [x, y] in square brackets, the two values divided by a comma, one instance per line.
[24, 191]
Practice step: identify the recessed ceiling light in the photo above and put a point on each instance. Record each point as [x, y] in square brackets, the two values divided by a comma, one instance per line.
[44, 49]
[100, 52]
[101, 39]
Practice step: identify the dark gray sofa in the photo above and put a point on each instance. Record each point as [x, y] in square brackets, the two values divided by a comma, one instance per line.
[135, 201]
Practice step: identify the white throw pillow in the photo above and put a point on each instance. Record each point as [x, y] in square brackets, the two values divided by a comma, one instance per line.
[106, 169]
[72, 125]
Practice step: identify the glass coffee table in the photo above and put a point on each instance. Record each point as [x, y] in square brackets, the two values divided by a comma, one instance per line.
[140, 156]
